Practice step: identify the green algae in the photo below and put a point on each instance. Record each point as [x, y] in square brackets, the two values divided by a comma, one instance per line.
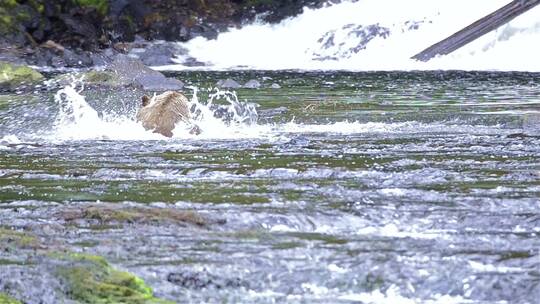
[15, 240]
[6, 299]
[101, 77]
[90, 279]
[12, 75]
[129, 215]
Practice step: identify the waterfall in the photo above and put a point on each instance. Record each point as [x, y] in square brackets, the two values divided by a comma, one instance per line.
[368, 35]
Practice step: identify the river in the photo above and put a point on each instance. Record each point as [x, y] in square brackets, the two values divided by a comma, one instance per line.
[337, 187]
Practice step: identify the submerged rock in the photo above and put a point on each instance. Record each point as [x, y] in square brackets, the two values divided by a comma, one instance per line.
[112, 213]
[35, 272]
[90, 279]
[531, 124]
[228, 84]
[252, 84]
[12, 75]
[16, 240]
[6, 299]
[200, 280]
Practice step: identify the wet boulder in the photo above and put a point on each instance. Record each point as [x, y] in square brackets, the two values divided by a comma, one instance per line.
[125, 71]
[228, 84]
[252, 84]
[156, 54]
[133, 71]
[12, 75]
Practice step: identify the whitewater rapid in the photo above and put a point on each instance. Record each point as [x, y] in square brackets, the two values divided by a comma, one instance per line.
[219, 114]
[334, 38]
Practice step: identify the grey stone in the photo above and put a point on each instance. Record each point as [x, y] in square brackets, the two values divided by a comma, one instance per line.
[252, 84]
[158, 83]
[132, 71]
[129, 68]
[156, 60]
[228, 84]
[275, 86]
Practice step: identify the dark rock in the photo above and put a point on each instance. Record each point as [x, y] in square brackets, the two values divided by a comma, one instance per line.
[57, 62]
[275, 11]
[100, 59]
[130, 68]
[203, 31]
[156, 60]
[360, 34]
[161, 53]
[28, 16]
[192, 62]
[228, 84]
[252, 84]
[117, 6]
[72, 59]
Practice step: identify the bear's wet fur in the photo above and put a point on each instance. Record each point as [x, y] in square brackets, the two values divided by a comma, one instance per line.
[161, 113]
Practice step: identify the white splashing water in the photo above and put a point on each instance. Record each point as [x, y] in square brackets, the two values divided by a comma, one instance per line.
[221, 116]
[77, 120]
[331, 38]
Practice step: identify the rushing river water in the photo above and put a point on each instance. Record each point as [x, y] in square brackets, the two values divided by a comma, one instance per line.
[394, 187]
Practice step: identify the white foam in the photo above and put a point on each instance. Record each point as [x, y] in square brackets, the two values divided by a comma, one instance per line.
[294, 43]
[393, 296]
[77, 120]
[220, 116]
[10, 140]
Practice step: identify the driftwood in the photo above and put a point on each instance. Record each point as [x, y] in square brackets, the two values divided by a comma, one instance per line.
[477, 29]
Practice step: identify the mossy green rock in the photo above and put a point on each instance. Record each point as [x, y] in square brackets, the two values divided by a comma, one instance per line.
[12, 75]
[5, 299]
[16, 240]
[90, 279]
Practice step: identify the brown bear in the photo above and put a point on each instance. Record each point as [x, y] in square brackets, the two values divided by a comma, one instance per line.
[161, 113]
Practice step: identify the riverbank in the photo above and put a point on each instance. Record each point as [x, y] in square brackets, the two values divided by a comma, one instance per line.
[76, 33]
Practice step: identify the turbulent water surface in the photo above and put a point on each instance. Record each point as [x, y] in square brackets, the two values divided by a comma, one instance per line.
[383, 187]
[365, 35]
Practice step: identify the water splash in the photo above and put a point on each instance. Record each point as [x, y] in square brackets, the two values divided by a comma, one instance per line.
[220, 116]
[374, 35]
[77, 120]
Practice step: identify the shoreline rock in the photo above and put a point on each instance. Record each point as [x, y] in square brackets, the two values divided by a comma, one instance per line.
[12, 75]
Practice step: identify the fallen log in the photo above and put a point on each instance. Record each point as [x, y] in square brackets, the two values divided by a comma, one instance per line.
[477, 29]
